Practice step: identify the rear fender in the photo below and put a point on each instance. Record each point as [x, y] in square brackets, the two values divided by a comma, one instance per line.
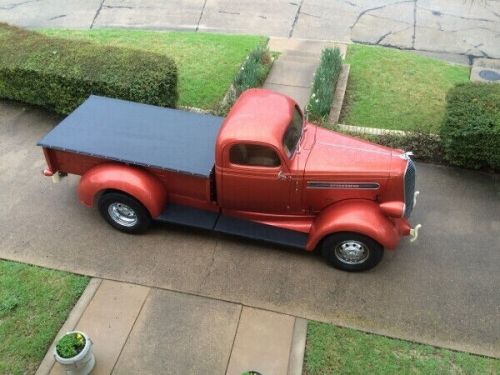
[135, 182]
[359, 216]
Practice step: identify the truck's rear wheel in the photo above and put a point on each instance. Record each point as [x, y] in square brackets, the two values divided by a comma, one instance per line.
[351, 251]
[124, 212]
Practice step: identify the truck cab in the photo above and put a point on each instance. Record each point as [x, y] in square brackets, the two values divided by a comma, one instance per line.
[262, 172]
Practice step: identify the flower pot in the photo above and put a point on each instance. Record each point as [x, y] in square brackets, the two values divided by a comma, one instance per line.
[80, 364]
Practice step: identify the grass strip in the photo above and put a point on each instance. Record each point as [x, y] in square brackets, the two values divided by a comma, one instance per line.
[335, 350]
[34, 303]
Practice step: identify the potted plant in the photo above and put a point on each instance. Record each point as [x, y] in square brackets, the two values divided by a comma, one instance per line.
[74, 352]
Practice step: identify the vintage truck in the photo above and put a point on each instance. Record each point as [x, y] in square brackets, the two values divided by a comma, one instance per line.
[263, 172]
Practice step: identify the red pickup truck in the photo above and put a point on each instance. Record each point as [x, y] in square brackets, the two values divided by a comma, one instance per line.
[262, 172]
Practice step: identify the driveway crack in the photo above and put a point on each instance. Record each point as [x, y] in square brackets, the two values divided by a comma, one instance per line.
[414, 25]
[377, 8]
[201, 15]
[295, 19]
[210, 266]
[97, 13]
[15, 5]
[56, 17]
[383, 37]
[117, 7]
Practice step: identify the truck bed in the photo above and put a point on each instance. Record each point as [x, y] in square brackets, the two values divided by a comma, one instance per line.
[139, 134]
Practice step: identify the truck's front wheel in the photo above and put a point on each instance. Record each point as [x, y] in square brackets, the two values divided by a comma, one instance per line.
[124, 212]
[351, 251]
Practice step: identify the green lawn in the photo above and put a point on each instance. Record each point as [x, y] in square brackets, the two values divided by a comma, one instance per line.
[335, 350]
[207, 63]
[34, 303]
[394, 89]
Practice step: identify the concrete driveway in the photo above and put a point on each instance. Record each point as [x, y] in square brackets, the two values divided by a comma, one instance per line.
[441, 290]
[463, 28]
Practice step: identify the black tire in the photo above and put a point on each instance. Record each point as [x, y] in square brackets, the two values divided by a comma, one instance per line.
[124, 213]
[352, 251]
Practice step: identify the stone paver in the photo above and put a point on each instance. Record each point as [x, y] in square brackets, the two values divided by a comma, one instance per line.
[447, 27]
[441, 289]
[108, 320]
[262, 343]
[292, 72]
[312, 47]
[180, 334]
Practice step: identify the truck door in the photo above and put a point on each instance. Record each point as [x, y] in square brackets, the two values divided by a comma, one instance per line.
[255, 179]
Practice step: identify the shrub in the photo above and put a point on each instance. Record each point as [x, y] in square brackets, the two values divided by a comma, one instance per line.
[60, 74]
[471, 128]
[252, 73]
[325, 81]
[425, 146]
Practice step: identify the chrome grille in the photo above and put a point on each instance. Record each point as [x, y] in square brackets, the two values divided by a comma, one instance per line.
[409, 187]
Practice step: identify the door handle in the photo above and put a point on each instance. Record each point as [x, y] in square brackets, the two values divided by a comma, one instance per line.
[282, 176]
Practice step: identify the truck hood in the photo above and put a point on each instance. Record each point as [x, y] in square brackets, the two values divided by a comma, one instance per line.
[336, 155]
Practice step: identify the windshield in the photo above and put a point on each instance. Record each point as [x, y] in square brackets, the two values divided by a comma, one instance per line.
[293, 133]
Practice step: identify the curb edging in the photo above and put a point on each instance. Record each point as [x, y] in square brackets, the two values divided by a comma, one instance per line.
[297, 349]
[339, 94]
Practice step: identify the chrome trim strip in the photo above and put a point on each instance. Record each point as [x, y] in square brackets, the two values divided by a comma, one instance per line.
[342, 185]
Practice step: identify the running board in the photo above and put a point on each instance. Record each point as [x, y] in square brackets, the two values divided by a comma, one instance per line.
[190, 216]
[203, 219]
[268, 233]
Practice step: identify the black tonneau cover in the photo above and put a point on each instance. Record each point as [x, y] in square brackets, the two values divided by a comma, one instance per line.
[139, 134]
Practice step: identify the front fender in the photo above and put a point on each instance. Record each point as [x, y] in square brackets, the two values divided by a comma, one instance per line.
[135, 182]
[359, 216]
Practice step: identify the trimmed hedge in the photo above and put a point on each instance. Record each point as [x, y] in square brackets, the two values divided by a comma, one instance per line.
[471, 128]
[59, 74]
[325, 81]
[425, 146]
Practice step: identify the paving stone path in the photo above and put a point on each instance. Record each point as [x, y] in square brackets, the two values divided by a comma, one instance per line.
[458, 29]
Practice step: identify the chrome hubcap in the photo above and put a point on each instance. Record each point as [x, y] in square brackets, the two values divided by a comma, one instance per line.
[351, 252]
[122, 214]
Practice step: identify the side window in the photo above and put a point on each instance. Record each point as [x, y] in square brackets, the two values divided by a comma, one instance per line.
[256, 155]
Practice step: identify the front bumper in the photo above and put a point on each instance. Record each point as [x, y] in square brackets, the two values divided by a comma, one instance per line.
[403, 226]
